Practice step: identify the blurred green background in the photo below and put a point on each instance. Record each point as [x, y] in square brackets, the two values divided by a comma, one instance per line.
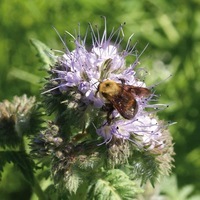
[172, 29]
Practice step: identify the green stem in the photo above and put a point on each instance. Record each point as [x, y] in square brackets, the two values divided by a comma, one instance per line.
[36, 187]
[38, 190]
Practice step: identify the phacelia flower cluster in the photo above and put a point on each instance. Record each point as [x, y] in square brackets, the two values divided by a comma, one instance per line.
[17, 118]
[122, 117]
[80, 71]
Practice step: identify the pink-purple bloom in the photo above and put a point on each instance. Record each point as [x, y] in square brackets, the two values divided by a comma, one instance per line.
[89, 134]
[81, 70]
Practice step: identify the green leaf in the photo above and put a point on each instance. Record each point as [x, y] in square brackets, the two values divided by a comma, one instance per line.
[45, 54]
[145, 167]
[73, 182]
[115, 185]
[184, 193]
[21, 161]
[23, 75]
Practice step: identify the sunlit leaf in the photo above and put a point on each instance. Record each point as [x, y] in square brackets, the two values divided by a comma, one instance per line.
[45, 54]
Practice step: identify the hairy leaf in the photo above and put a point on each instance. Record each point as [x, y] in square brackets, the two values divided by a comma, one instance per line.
[145, 167]
[21, 161]
[45, 53]
[114, 185]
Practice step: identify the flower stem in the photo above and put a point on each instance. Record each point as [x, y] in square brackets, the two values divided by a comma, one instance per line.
[38, 190]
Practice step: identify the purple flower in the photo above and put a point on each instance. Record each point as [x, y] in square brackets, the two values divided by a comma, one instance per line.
[94, 132]
[82, 70]
[144, 131]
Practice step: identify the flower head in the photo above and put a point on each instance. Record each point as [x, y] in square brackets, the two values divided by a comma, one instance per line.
[81, 70]
[124, 115]
[17, 118]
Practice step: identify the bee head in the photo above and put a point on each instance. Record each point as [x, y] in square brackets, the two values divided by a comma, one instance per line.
[109, 87]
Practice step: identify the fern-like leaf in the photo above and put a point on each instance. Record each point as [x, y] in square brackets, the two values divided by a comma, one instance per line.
[21, 161]
[45, 54]
[114, 185]
[144, 167]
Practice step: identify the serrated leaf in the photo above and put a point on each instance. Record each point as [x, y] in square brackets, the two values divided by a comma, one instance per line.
[73, 183]
[184, 193]
[2, 163]
[45, 53]
[21, 161]
[115, 185]
[103, 190]
[145, 167]
[67, 182]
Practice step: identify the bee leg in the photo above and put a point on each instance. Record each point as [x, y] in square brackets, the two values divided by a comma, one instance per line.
[109, 109]
[109, 114]
[122, 81]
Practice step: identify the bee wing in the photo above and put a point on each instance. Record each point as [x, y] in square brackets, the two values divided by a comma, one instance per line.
[125, 104]
[137, 91]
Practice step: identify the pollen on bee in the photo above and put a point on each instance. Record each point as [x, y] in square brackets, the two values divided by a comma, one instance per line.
[109, 87]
